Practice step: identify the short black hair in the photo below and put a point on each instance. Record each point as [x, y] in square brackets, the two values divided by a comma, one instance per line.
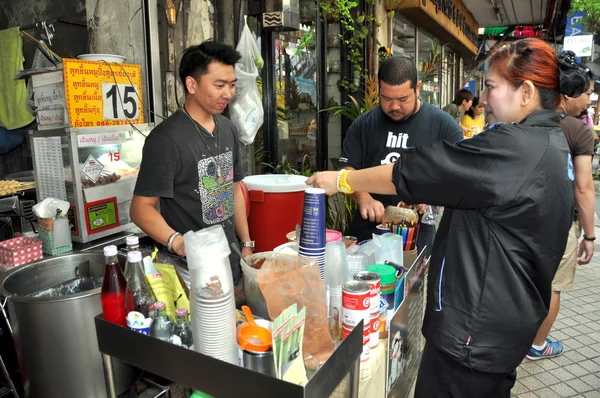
[398, 70]
[575, 78]
[195, 59]
[470, 111]
[462, 95]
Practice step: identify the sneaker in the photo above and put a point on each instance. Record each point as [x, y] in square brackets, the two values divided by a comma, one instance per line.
[552, 349]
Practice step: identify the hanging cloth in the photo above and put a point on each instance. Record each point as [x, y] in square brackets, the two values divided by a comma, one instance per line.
[13, 94]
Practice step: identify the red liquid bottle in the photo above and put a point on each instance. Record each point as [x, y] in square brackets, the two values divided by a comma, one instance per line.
[113, 289]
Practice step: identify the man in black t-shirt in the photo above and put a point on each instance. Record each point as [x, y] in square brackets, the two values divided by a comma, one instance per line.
[191, 162]
[401, 121]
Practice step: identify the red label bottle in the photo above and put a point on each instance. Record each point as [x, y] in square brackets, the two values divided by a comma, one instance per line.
[113, 289]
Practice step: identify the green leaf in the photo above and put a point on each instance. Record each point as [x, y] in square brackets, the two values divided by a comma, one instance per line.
[360, 19]
[390, 15]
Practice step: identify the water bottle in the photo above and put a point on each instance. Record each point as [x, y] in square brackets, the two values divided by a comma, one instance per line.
[112, 294]
[138, 295]
[182, 333]
[162, 326]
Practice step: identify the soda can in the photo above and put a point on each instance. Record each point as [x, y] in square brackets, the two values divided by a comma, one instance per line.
[350, 241]
[356, 304]
[312, 234]
[374, 331]
[374, 282]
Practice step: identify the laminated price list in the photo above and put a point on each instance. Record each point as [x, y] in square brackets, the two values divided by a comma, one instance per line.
[50, 168]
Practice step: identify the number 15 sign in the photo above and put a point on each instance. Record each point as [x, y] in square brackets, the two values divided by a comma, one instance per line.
[102, 94]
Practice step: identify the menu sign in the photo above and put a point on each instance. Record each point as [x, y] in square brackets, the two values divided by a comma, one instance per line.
[102, 94]
[406, 342]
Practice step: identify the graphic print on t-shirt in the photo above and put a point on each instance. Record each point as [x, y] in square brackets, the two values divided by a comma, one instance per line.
[394, 141]
[216, 193]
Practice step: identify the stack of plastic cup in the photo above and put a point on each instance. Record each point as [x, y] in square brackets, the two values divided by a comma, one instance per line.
[212, 301]
[336, 275]
[312, 236]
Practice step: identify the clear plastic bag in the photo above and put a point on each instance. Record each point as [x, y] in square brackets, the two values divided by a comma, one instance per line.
[284, 281]
[246, 110]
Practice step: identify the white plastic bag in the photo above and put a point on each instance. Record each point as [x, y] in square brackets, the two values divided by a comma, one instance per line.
[246, 110]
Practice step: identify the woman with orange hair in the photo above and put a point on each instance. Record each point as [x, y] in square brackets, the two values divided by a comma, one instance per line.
[508, 198]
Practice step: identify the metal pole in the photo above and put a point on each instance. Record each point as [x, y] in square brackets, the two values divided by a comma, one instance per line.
[109, 376]
[355, 379]
[153, 71]
[322, 117]
[270, 133]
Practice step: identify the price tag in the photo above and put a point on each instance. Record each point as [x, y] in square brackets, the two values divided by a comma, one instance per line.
[119, 101]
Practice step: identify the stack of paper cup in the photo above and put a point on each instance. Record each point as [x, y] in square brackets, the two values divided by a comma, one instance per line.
[312, 235]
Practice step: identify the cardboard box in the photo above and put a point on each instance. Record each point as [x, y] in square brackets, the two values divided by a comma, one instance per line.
[19, 251]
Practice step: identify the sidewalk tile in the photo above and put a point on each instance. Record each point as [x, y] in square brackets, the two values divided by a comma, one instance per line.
[528, 395]
[561, 334]
[584, 329]
[562, 374]
[519, 388]
[586, 339]
[574, 356]
[591, 394]
[591, 366]
[592, 380]
[579, 385]
[563, 390]
[532, 367]
[572, 343]
[532, 383]
[561, 360]
[547, 378]
[588, 352]
[547, 365]
[576, 369]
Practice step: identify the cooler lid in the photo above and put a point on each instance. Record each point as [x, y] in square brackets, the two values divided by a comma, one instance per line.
[276, 183]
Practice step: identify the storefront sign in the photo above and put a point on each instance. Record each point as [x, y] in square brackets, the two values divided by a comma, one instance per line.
[574, 26]
[101, 215]
[102, 94]
[449, 20]
[406, 342]
[580, 45]
[86, 140]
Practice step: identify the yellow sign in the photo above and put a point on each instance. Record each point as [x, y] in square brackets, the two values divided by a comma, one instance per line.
[102, 94]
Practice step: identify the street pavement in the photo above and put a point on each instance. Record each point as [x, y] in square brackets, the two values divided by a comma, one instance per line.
[576, 373]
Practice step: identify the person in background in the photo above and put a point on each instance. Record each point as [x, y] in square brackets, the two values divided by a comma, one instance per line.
[586, 116]
[191, 162]
[473, 121]
[457, 108]
[577, 85]
[504, 228]
[377, 137]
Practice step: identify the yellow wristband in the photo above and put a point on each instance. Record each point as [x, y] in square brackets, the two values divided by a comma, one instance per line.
[342, 184]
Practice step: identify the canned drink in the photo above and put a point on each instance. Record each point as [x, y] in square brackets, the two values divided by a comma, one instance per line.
[366, 351]
[374, 331]
[375, 285]
[349, 241]
[356, 304]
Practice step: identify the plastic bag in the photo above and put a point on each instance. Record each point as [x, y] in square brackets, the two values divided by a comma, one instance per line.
[246, 109]
[284, 281]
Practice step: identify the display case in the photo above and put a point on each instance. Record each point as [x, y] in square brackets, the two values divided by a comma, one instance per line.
[95, 169]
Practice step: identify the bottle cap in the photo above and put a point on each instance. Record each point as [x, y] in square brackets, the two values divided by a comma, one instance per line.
[134, 256]
[110, 250]
[181, 312]
[159, 305]
[132, 240]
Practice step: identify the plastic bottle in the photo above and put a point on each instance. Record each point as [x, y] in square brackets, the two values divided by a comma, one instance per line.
[162, 326]
[138, 295]
[133, 244]
[112, 294]
[182, 333]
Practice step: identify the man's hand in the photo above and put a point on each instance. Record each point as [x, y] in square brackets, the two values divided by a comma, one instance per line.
[418, 208]
[326, 180]
[371, 209]
[246, 251]
[587, 247]
[178, 246]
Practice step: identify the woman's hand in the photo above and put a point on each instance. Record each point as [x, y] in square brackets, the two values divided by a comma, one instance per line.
[326, 180]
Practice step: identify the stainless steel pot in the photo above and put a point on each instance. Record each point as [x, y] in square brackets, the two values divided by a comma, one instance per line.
[55, 337]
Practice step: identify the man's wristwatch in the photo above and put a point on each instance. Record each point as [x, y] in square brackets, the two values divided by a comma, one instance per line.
[247, 244]
[588, 238]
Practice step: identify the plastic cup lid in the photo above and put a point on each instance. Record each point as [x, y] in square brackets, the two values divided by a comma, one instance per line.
[110, 250]
[134, 256]
[132, 240]
[387, 273]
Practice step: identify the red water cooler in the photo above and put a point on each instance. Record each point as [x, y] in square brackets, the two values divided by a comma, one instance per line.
[276, 202]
